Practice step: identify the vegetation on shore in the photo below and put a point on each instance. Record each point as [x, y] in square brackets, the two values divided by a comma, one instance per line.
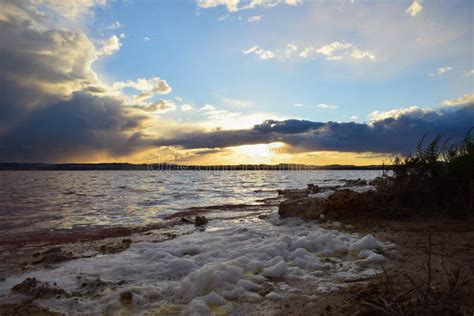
[438, 177]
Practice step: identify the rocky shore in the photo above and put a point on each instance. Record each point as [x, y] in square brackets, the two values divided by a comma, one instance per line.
[321, 250]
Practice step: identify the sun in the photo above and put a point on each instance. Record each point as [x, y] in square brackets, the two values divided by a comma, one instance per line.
[259, 153]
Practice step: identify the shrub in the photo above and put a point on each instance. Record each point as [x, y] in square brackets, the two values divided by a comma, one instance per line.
[439, 176]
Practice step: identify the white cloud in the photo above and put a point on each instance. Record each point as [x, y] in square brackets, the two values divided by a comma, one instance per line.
[329, 49]
[154, 85]
[414, 9]
[114, 26]
[298, 105]
[332, 51]
[464, 100]
[469, 73]
[233, 5]
[413, 111]
[187, 108]
[354, 118]
[260, 52]
[290, 49]
[123, 36]
[270, 3]
[72, 9]
[213, 113]
[306, 52]
[146, 39]
[338, 50]
[326, 106]
[254, 18]
[441, 71]
[208, 107]
[109, 46]
[160, 106]
[360, 54]
[335, 51]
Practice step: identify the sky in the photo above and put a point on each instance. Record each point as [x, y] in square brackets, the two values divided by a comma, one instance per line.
[232, 81]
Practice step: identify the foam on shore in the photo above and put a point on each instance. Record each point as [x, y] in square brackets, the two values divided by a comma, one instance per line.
[228, 263]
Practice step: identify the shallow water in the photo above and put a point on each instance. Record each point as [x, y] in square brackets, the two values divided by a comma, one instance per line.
[46, 200]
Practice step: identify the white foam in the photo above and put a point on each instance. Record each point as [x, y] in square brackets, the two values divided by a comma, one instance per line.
[227, 264]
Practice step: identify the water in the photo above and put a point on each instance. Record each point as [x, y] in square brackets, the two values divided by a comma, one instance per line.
[46, 200]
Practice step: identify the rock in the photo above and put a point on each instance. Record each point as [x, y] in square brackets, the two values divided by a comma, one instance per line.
[37, 289]
[312, 188]
[126, 297]
[340, 204]
[200, 221]
[353, 183]
[187, 220]
[114, 248]
[294, 193]
[27, 309]
[309, 208]
[94, 285]
[54, 255]
[354, 201]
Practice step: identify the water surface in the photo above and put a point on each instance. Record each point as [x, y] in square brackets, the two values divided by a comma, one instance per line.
[46, 200]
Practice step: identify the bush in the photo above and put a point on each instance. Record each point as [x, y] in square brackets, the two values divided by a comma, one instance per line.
[438, 177]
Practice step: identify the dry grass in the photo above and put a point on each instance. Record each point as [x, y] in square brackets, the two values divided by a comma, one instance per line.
[436, 293]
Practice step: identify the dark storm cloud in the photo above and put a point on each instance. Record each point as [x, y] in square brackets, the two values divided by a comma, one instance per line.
[66, 129]
[398, 134]
[50, 110]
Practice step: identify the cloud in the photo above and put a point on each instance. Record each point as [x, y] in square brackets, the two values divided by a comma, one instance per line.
[154, 85]
[412, 111]
[260, 52]
[306, 52]
[414, 9]
[360, 54]
[160, 106]
[254, 18]
[78, 127]
[329, 49]
[466, 100]
[214, 113]
[146, 39]
[326, 106]
[114, 25]
[122, 36]
[187, 108]
[231, 5]
[53, 107]
[339, 50]
[441, 71]
[390, 134]
[290, 49]
[70, 9]
[469, 73]
[237, 5]
[333, 51]
[298, 105]
[110, 46]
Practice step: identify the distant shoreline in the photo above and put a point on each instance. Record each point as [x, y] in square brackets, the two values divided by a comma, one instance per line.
[174, 167]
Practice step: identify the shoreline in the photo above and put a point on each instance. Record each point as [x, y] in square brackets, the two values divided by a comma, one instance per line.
[52, 250]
